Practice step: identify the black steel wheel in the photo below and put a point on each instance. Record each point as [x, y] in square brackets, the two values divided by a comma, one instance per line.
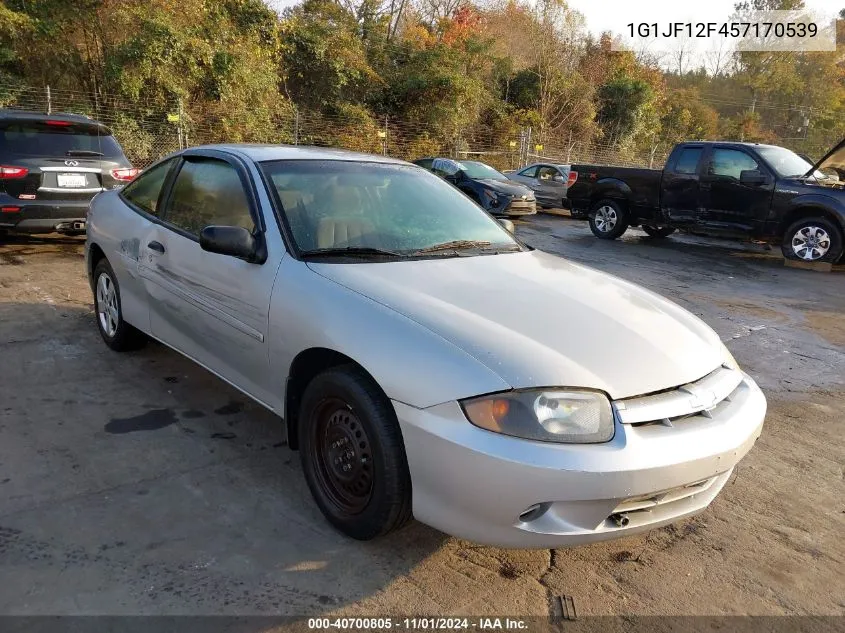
[353, 455]
[342, 455]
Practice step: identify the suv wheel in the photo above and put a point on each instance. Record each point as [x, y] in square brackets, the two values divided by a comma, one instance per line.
[608, 220]
[812, 240]
[353, 455]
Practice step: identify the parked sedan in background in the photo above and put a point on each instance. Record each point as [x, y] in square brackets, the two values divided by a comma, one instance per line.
[488, 187]
[549, 183]
[423, 358]
[51, 165]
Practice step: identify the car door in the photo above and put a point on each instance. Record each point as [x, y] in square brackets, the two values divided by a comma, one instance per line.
[551, 185]
[728, 202]
[213, 308]
[143, 196]
[527, 176]
[680, 187]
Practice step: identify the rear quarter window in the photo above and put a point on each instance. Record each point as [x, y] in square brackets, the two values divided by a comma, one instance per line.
[145, 191]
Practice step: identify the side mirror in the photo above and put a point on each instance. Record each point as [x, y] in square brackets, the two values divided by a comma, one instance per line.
[234, 241]
[558, 178]
[509, 227]
[752, 177]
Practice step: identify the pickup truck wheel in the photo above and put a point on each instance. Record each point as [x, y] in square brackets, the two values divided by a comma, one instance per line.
[116, 333]
[653, 231]
[608, 220]
[812, 240]
[353, 455]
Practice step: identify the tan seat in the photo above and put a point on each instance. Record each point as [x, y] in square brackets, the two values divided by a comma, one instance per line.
[342, 232]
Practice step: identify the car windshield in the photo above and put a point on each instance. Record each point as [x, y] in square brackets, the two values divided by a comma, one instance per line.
[36, 138]
[786, 163]
[477, 170]
[363, 208]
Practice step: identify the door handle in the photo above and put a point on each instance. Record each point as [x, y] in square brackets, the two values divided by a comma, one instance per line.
[158, 247]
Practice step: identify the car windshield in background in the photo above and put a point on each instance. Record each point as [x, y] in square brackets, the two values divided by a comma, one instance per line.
[480, 171]
[367, 209]
[785, 162]
[35, 138]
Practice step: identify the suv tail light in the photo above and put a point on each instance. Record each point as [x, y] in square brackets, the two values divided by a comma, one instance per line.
[124, 175]
[573, 176]
[7, 172]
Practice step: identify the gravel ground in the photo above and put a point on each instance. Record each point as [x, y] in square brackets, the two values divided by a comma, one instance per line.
[141, 484]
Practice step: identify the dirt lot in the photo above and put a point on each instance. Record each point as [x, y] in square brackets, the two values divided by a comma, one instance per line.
[139, 483]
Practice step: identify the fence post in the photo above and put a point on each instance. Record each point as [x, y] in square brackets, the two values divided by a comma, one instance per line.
[295, 125]
[49, 102]
[181, 130]
[384, 139]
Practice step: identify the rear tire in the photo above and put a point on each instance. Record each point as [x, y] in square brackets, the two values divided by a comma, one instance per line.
[658, 232]
[608, 220]
[117, 333]
[812, 240]
[353, 454]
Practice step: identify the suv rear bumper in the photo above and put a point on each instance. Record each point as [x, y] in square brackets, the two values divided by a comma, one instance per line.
[40, 216]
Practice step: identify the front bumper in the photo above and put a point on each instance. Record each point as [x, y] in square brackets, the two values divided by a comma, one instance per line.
[475, 484]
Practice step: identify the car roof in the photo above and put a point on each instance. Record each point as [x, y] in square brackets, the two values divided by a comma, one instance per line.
[260, 153]
[26, 115]
[731, 144]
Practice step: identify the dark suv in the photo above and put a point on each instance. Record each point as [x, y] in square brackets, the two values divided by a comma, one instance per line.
[51, 165]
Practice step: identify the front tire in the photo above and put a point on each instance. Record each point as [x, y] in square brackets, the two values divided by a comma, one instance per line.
[353, 455]
[117, 333]
[658, 232]
[812, 240]
[608, 220]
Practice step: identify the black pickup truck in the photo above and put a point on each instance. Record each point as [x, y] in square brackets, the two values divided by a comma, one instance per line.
[738, 190]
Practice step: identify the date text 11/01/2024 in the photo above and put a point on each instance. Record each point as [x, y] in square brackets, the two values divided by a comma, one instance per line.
[724, 29]
[419, 624]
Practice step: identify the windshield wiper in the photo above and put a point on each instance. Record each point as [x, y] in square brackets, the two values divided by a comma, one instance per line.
[454, 245]
[83, 152]
[350, 251]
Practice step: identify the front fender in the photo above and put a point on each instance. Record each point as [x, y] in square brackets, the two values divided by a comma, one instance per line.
[411, 363]
[826, 204]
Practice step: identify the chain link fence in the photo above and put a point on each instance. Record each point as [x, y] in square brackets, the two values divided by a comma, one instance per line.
[148, 131]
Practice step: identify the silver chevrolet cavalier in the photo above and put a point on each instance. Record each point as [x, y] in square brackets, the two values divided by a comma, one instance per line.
[425, 361]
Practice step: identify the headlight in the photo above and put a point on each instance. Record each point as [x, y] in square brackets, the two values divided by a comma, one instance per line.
[547, 415]
[492, 197]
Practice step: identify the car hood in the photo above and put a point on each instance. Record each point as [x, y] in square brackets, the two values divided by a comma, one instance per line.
[500, 186]
[539, 320]
[835, 158]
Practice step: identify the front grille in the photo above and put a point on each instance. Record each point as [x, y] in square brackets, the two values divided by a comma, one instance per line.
[647, 502]
[696, 398]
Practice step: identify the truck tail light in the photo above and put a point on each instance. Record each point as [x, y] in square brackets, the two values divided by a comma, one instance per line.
[572, 178]
[125, 174]
[8, 172]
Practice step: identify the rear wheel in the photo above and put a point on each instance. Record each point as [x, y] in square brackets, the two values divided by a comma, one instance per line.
[117, 333]
[353, 455]
[658, 232]
[608, 220]
[812, 240]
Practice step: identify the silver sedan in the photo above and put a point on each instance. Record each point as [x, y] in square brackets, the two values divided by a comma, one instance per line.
[548, 181]
[425, 361]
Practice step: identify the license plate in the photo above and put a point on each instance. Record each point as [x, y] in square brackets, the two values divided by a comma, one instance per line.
[71, 180]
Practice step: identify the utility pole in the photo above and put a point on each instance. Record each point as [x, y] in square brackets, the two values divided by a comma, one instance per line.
[295, 125]
[180, 128]
[49, 102]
